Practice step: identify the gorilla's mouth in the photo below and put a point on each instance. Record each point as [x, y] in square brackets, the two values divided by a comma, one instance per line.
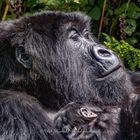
[107, 73]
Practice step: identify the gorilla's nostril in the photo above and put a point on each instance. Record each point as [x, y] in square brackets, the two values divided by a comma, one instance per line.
[104, 53]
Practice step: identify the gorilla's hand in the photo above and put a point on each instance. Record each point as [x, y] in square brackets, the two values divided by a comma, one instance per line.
[78, 121]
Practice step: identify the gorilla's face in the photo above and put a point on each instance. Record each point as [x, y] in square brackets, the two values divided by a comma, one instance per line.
[75, 63]
[72, 61]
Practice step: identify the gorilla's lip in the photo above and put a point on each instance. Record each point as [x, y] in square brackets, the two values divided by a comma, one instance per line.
[103, 76]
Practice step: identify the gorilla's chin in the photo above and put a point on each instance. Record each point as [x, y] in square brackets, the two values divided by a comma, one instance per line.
[114, 88]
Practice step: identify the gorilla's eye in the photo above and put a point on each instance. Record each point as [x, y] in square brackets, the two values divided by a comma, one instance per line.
[74, 35]
[87, 35]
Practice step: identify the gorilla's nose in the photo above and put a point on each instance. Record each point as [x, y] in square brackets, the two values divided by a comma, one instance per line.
[102, 53]
[106, 58]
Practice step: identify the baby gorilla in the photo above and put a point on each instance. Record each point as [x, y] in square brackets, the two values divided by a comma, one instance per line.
[78, 121]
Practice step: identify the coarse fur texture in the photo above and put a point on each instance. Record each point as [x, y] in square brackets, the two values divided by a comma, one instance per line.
[22, 118]
[54, 57]
[135, 79]
[100, 124]
[63, 65]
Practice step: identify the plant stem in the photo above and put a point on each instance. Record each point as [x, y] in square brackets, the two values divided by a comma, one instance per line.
[5, 12]
[102, 19]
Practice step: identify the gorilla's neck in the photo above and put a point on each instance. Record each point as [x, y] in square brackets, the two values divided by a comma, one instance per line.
[58, 92]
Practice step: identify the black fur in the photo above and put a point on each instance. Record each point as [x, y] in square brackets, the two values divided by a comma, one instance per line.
[74, 126]
[54, 57]
[22, 118]
[135, 79]
[68, 69]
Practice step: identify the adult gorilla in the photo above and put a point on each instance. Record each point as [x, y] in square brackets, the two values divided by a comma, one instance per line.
[53, 57]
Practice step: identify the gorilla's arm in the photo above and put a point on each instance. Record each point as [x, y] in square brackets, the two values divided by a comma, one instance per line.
[23, 118]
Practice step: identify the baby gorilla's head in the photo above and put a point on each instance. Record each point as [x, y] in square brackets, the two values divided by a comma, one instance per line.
[78, 121]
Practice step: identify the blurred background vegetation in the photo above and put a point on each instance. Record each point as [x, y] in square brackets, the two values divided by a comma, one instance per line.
[114, 22]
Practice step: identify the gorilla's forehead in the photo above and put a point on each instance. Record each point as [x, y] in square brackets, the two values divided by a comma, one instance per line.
[47, 23]
[60, 20]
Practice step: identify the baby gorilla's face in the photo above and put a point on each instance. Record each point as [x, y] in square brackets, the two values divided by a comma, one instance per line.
[79, 121]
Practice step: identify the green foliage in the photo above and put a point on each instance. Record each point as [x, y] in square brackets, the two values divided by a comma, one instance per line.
[129, 55]
[131, 13]
[131, 26]
[95, 13]
[133, 10]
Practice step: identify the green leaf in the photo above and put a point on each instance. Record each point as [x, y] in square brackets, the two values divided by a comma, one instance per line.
[31, 3]
[129, 55]
[100, 3]
[110, 12]
[95, 13]
[132, 40]
[131, 26]
[131, 8]
[134, 15]
[84, 2]
[52, 2]
[121, 9]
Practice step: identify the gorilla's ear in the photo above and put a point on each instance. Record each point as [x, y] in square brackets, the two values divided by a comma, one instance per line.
[8, 34]
[23, 58]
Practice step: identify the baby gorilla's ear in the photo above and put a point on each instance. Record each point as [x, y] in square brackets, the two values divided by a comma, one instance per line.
[23, 58]
[89, 113]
